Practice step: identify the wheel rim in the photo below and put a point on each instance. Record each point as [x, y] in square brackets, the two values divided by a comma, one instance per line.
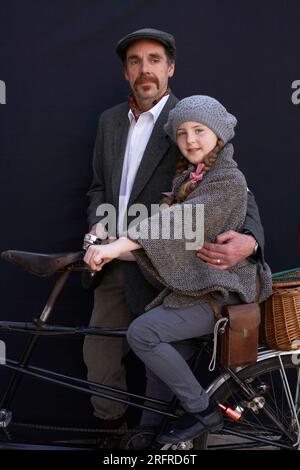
[269, 419]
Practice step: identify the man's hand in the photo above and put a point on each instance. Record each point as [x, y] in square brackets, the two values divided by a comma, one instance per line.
[230, 249]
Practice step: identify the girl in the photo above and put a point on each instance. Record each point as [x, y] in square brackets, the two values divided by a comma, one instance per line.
[208, 175]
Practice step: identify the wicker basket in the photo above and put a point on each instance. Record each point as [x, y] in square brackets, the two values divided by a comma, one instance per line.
[282, 312]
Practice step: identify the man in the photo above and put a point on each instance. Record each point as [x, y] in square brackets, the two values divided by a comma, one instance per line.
[134, 162]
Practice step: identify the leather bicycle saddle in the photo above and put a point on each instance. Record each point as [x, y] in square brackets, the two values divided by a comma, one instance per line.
[41, 264]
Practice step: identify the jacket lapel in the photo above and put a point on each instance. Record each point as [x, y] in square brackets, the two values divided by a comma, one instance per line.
[156, 148]
[120, 139]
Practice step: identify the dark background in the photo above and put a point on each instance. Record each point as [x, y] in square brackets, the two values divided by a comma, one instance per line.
[58, 62]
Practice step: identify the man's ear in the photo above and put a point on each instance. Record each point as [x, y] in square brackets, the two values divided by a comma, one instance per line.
[171, 69]
[126, 74]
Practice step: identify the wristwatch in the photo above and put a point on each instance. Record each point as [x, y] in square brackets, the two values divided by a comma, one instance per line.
[256, 246]
[89, 240]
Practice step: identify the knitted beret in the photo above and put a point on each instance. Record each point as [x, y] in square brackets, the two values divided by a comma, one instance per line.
[204, 109]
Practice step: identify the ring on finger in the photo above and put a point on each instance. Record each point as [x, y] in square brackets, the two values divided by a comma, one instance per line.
[218, 261]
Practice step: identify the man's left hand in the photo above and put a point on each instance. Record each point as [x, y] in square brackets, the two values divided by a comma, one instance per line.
[230, 249]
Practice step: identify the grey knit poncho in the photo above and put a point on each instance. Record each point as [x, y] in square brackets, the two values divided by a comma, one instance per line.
[186, 278]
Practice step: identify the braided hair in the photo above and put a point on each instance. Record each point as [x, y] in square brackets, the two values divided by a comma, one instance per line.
[188, 186]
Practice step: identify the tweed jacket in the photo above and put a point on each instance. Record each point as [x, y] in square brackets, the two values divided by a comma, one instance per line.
[187, 279]
[154, 175]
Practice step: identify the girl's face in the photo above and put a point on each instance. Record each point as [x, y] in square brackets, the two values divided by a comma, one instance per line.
[195, 140]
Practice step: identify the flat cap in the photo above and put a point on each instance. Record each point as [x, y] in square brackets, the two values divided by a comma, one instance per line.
[166, 39]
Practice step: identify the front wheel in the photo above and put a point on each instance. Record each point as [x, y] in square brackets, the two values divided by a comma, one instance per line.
[269, 418]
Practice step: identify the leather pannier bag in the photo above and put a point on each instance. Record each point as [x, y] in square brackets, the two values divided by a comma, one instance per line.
[239, 342]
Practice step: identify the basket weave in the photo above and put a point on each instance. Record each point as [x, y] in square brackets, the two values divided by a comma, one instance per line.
[282, 314]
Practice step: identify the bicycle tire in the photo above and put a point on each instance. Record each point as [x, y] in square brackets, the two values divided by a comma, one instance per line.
[256, 427]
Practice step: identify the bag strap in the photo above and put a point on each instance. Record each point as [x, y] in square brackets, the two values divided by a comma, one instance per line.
[214, 307]
[219, 328]
[217, 310]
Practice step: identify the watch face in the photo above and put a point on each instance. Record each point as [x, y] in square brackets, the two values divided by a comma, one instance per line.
[89, 237]
[89, 240]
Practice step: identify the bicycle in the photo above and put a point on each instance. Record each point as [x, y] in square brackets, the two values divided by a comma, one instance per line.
[261, 402]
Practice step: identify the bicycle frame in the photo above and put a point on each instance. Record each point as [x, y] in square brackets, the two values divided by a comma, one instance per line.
[39, 327]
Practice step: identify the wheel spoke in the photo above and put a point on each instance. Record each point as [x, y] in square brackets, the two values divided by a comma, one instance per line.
[270, 416]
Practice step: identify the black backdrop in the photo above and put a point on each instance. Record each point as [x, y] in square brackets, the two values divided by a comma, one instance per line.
[58, 63]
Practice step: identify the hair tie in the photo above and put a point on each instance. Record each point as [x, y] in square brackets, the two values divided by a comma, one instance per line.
[198, 174]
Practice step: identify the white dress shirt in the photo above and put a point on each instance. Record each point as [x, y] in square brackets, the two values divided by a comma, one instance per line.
[137, 140]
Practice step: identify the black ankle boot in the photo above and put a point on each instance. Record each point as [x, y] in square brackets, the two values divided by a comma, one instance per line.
[192, 425]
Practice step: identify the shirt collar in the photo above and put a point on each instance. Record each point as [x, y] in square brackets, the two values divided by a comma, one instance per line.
[154, 111]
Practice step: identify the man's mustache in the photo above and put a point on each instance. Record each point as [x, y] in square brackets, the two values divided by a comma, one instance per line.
[149, 78]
